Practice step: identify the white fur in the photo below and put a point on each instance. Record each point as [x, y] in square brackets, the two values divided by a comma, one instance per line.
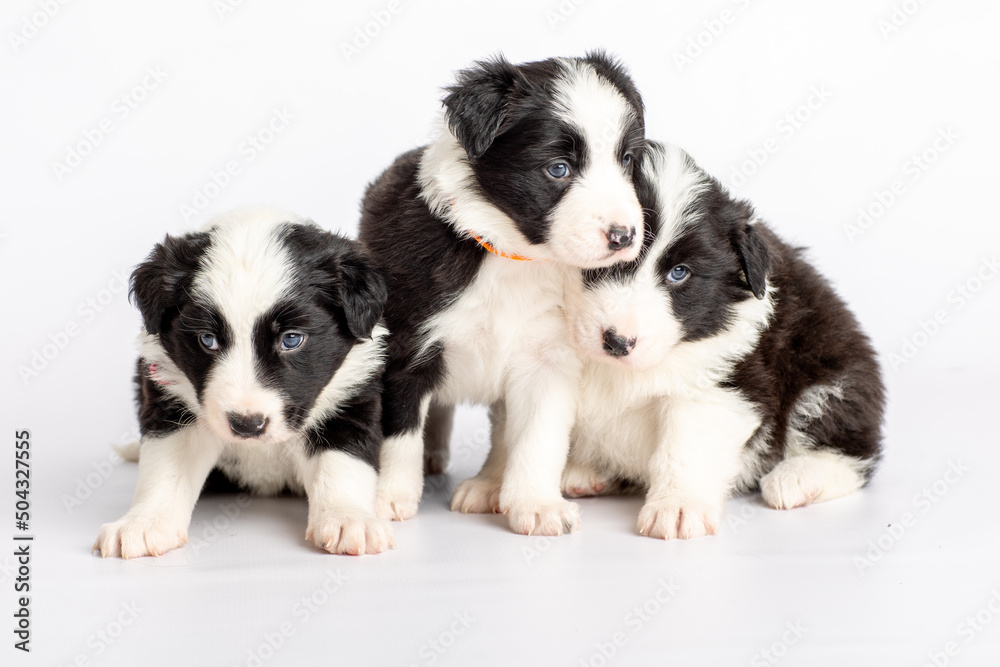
[812, 477]
[481, 494]
[505, 341]
[341, 510]
[246, 271]
[807, 474]
[658, 415]
[401, 471]
[172, 470]
[671, 427]
[361, 363]
[602, 196]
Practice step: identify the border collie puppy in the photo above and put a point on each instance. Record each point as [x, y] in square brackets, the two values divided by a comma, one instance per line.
[261, 356]
[720, 361]
[478, 233]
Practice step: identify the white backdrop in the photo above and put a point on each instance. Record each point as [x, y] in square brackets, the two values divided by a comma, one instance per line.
[864, 130]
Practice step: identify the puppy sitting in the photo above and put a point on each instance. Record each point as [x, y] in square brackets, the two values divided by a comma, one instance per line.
[529, 182]
[261, 356]
[720, 361]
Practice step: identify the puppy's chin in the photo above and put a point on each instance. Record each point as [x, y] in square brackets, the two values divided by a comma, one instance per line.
[635, 361]
[597, 256]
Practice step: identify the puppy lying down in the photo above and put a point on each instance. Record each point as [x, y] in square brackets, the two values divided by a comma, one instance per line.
[718, 362]
[261, 356]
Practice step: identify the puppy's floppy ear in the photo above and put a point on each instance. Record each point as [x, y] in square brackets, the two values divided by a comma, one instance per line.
[354, 287]
[755, 257]
[158, 285]
[478, 104]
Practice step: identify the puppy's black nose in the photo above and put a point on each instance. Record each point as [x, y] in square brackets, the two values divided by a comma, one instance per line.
[247, 426]
[617, 346]
[619, 237]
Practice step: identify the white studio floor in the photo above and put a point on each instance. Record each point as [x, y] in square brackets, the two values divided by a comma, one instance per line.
[866, 131]
[889, 576]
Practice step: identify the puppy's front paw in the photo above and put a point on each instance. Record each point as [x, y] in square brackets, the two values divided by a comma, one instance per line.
[581, 480]
[136, 536]
[543, 518]
[478, 495]
[679, 519]
[351, 532]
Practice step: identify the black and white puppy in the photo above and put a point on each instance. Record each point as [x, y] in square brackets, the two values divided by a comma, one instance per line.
[530, 181]
[262, 355]
[720, 361]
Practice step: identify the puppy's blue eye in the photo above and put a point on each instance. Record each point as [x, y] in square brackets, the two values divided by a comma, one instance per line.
[626, 160]
[291, 341]
[678, 273]
[209, 341]
[558, 170]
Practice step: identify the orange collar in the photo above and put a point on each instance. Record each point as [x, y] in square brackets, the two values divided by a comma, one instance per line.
[489, 246]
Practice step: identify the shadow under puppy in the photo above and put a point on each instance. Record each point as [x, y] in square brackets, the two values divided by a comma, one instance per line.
[261, 356]
[719, 361]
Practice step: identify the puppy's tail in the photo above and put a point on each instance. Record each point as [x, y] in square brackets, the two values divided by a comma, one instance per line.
[129, 452]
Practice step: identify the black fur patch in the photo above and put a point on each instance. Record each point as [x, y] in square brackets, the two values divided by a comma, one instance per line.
[427, 265]
[159, 413]
[813, 339]
[341, 276]
[159, 285]
[713, 251]
[355, 429]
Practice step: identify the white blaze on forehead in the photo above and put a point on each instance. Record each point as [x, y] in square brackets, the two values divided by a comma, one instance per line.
[246, 271]
[677, 184]
[595, 107]
[601, 197]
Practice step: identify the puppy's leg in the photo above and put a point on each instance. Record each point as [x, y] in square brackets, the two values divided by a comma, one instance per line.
[172, 470]
[696, 463]
[481, 494]
[832, 443]
[437, 437]
[811, 477]
[408, 384]
[541, 405]
[401, 478]
[341, 492]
